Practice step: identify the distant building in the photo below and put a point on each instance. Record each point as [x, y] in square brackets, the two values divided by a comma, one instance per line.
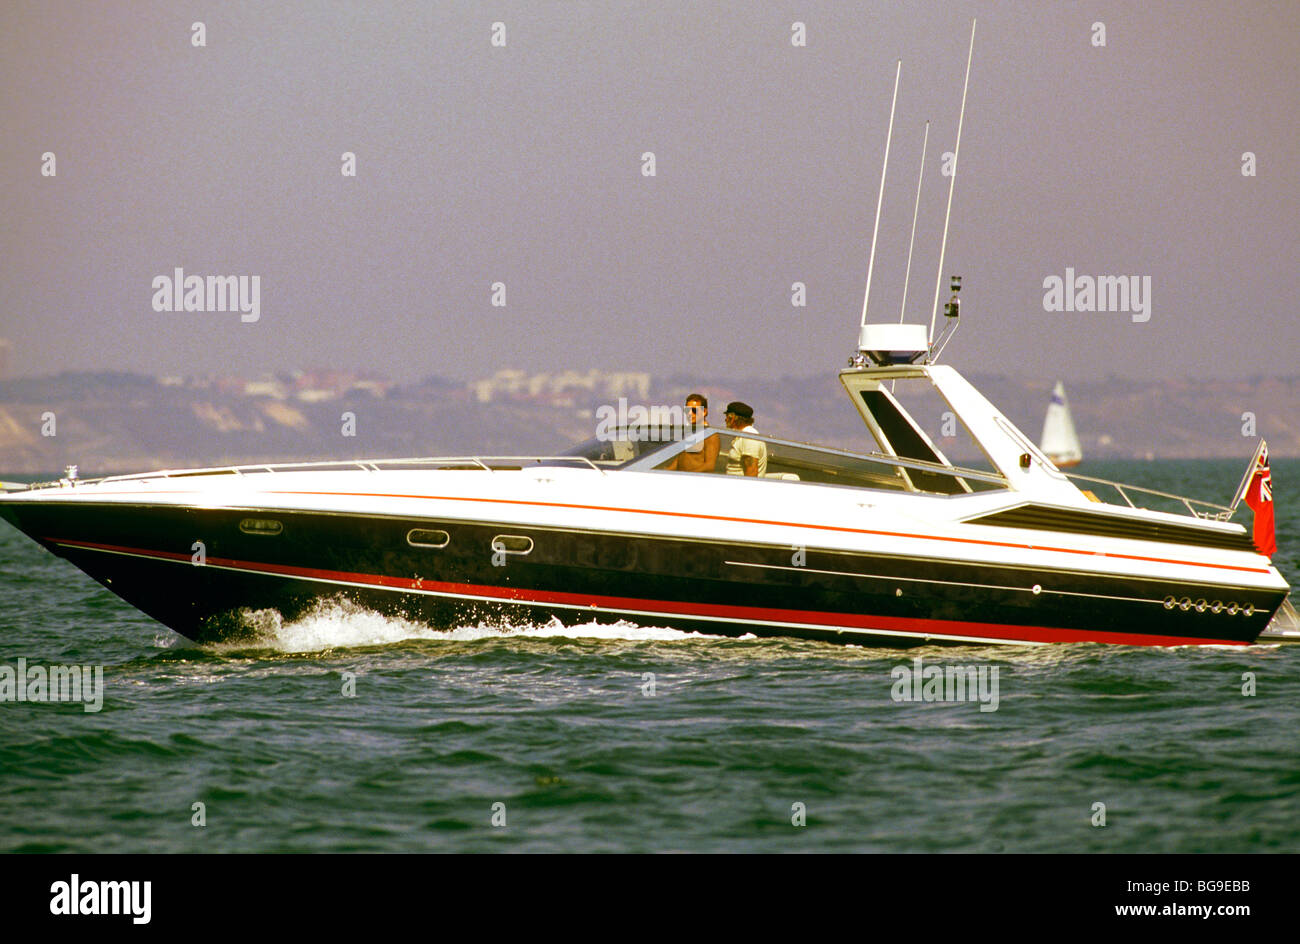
[315, 386]
[266, 388]
[560, 389]
[376, 388]
[315, 395]
[634, 386]
[6, 348]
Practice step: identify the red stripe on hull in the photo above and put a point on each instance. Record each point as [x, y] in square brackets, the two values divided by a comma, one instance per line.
[995, 632]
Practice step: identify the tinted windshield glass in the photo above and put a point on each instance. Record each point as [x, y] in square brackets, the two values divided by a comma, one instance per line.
[918, 423]
[619, 447]
[794, 462]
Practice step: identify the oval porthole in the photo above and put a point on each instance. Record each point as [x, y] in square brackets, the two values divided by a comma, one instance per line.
[423, 537]
[267, 526]
[512, 544]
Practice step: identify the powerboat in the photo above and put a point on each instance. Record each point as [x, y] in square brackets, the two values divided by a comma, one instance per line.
[891, 543]
[890, 546]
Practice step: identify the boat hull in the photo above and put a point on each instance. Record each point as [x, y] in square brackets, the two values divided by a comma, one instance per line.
[202, 573]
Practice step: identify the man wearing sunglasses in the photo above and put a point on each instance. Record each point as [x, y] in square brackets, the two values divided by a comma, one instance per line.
[697, 457]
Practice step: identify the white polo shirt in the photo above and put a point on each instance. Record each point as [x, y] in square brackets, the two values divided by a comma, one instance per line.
[747, 447]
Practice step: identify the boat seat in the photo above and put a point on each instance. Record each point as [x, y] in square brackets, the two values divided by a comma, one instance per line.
[787, 476]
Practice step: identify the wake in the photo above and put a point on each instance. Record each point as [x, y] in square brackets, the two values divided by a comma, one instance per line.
[333, 624]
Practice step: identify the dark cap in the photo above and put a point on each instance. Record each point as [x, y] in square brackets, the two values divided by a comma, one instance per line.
[743, 410]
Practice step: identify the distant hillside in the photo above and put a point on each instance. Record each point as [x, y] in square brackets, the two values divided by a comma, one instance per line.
[108, 423]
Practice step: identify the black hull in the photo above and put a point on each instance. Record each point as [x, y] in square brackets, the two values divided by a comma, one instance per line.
[144, 554]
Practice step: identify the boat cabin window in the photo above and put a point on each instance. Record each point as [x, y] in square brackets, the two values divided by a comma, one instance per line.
[265, 526]
[424, 537]
[911, 419]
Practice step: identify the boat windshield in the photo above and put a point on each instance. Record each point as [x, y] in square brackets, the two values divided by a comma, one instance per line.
[631, 448]
[804, 462]
[622, 446]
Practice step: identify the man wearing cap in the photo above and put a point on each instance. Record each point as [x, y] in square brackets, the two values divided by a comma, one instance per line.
[747, 456]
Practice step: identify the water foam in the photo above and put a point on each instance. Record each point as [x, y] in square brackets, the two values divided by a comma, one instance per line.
[343, 624]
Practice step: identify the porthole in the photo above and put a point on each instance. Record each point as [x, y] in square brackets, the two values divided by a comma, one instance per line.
[1249, 609]
[1216, 606]
[424, 537]
[268, 526]
[1232, 609]
[512, 544]
[1170, 603]
[1185, 604]
[1200, 606]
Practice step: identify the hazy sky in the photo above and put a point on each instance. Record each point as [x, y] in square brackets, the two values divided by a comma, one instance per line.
[523, 165]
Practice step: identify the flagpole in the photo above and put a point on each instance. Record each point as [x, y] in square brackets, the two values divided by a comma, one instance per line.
[1246, 479]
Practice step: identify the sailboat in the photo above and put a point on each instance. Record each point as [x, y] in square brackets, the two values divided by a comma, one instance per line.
[1060, 441]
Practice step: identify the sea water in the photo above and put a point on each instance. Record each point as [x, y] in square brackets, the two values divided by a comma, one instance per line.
[348, 731]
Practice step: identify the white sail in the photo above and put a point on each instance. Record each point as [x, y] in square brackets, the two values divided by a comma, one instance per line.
[1060, 441]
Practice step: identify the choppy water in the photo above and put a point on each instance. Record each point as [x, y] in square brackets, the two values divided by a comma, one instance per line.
[555, 724]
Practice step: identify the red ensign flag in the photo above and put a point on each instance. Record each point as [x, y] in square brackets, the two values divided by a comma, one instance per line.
[1259, 496]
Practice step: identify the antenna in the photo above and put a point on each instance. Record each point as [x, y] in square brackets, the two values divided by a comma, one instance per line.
[943, 245]
[912, 242]
[881, 199]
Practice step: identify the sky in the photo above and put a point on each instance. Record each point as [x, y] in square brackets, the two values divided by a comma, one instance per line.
[523, 164]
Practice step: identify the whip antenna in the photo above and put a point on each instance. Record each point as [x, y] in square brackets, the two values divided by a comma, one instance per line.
[943, 245]
[912, 242]
[881, 199]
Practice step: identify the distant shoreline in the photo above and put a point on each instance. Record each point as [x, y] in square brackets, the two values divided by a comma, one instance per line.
[133, 422]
